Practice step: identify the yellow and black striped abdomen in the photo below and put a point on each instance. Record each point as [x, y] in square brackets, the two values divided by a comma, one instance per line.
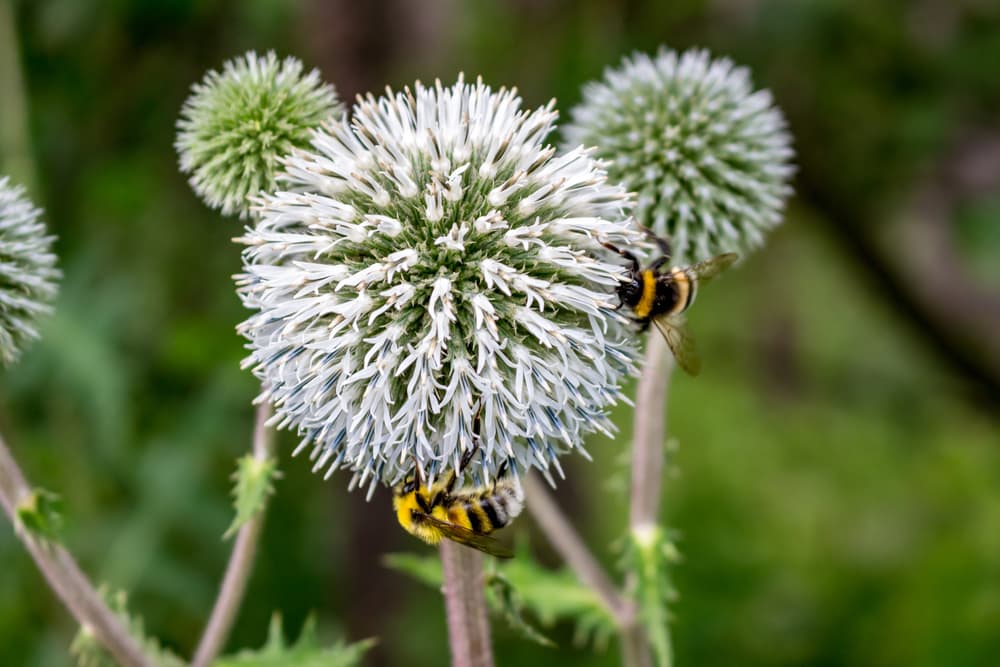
[485, 511]
[683, 285]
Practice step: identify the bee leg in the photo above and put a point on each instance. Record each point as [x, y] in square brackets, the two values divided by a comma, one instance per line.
[643, 324]
[660, 261]
[449, 486]
[636, 266]
[661, 243]
[467, 457]
[476, 426]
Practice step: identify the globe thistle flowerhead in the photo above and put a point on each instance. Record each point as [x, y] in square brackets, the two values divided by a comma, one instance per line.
[708, 157]
[27, 271]
[434, 260]
[238, 123]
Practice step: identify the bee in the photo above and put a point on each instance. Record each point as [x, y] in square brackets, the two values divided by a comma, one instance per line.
[467, 515]
[661, 297]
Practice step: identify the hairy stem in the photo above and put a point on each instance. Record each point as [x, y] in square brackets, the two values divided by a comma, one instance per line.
[648, 433]
[567, 542]
[465, 606]
[234, 583]
[64, 575]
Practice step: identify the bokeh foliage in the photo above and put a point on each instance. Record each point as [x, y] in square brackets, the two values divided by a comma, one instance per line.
[836, 489]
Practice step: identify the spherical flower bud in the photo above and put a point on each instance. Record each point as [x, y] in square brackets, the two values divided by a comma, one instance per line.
[707, 156]
[27, 271]
[435, 268]
[237, 124]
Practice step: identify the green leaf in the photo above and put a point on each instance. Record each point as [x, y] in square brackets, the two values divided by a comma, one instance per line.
[648, 556]
[88, 652]
[511, 607]
[557, 595]
[425, 569]
[305, 652]
[549, 595]
[41, 514]
[254, 484]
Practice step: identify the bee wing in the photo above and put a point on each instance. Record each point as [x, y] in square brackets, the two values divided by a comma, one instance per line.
[462, 535]
[681, 344]
[713, 266]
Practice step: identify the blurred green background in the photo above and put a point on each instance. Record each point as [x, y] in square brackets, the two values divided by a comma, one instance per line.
[836, 485]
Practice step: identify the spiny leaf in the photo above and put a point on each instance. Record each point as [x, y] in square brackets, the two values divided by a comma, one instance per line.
[648, 556]
[254, 484]
[549, 595]
[511, 607]
[88, 652]
[305, 652]
[41, 514]
[556, 595]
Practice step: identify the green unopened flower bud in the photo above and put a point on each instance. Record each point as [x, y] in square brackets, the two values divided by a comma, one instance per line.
[238, 123]
[707, 156]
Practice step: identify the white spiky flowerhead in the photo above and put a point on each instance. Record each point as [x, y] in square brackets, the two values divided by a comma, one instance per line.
[238, 123]
[28, 271]
[708, 157]
[434, 259]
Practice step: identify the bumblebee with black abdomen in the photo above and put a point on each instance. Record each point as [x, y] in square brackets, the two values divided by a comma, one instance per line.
[661, 297]
[465, 515]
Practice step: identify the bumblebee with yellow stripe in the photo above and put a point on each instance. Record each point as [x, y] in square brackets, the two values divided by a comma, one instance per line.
[465, 515]
[661, 297]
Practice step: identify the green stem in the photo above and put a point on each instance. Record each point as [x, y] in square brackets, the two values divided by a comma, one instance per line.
[234, 583]
[649, 435]
[565, 540]
[15, 147]
[64, 575]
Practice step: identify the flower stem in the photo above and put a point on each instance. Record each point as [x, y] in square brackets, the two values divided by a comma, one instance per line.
[648, 433]
[64, 575]
[241, 560]
[465, 606]
[567, 542]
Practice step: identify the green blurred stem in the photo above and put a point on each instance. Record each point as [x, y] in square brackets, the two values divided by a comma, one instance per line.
[64, 575]
[649, 434]
[567, 542]
[465, 606]
[234, 582]
[15, 149]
